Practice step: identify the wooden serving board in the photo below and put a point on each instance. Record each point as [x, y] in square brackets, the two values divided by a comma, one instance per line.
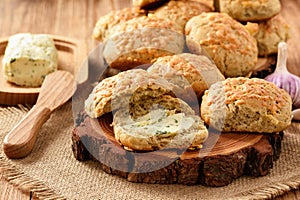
[223, 158]
[11, 94]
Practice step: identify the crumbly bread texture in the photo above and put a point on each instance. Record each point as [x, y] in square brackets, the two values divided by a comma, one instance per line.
[114, 17]
[188, 71]
[270, 33]
[157, 123]
[140, 41]
[250, 10]
[118, 91]
[181, 11]
[246, 105]
[28, 58]
[99, 101]
[225, 40]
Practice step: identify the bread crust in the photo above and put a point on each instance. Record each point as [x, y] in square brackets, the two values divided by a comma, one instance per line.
[181, 11]
[114, 17]
[140, 41]
[188, 71]
[99, 101]
[117, 91]
[246, 105]
[225, 40]
[250, 10]
[270, 33]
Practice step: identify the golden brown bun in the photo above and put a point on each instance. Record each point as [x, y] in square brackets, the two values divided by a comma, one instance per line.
[181, 11]
[250, 10]
[187, 71]
[115, 92]
[270, 33]
[114, 17]
[246, 105]
[225, 40]
[140, 41]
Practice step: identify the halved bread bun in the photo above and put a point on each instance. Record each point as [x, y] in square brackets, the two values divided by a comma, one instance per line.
[115, 92]
[157, 123]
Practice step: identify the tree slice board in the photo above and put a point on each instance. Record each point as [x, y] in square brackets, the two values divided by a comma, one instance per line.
[68, 54]
[223, 158]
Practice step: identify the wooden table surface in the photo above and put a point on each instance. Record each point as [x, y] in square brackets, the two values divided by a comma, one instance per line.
[76, 19]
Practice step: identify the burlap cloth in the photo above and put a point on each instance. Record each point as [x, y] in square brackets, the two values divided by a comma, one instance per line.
[51, 171]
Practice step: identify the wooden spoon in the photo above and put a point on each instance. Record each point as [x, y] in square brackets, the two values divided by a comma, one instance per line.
[57, 88]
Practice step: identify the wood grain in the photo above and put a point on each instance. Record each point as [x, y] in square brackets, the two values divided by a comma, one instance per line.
[57, 88]
[223, 158]
[19, 142]
[75, 19]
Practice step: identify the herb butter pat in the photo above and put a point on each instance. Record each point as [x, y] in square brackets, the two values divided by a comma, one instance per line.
[160, 121]
[29, 58]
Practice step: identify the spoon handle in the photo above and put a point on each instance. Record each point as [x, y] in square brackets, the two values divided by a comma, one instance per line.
[19, 142]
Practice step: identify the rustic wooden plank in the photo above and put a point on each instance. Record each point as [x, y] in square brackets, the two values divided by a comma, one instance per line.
[291, 9]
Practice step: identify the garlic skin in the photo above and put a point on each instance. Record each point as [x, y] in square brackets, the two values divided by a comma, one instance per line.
[296, 114]
[283, 79]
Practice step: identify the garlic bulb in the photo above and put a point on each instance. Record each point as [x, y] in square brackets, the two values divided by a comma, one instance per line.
[282, 78]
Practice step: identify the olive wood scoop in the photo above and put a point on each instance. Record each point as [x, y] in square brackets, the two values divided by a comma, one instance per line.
[57, 88]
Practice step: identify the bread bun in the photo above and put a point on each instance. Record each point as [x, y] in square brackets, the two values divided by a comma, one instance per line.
[246, 105]
[250, 10]
[114, 17]
[187, 71]
[270, 33]
[117, 91]
[140, 41]
[181, 11]
[157, 123]
[225, 40]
